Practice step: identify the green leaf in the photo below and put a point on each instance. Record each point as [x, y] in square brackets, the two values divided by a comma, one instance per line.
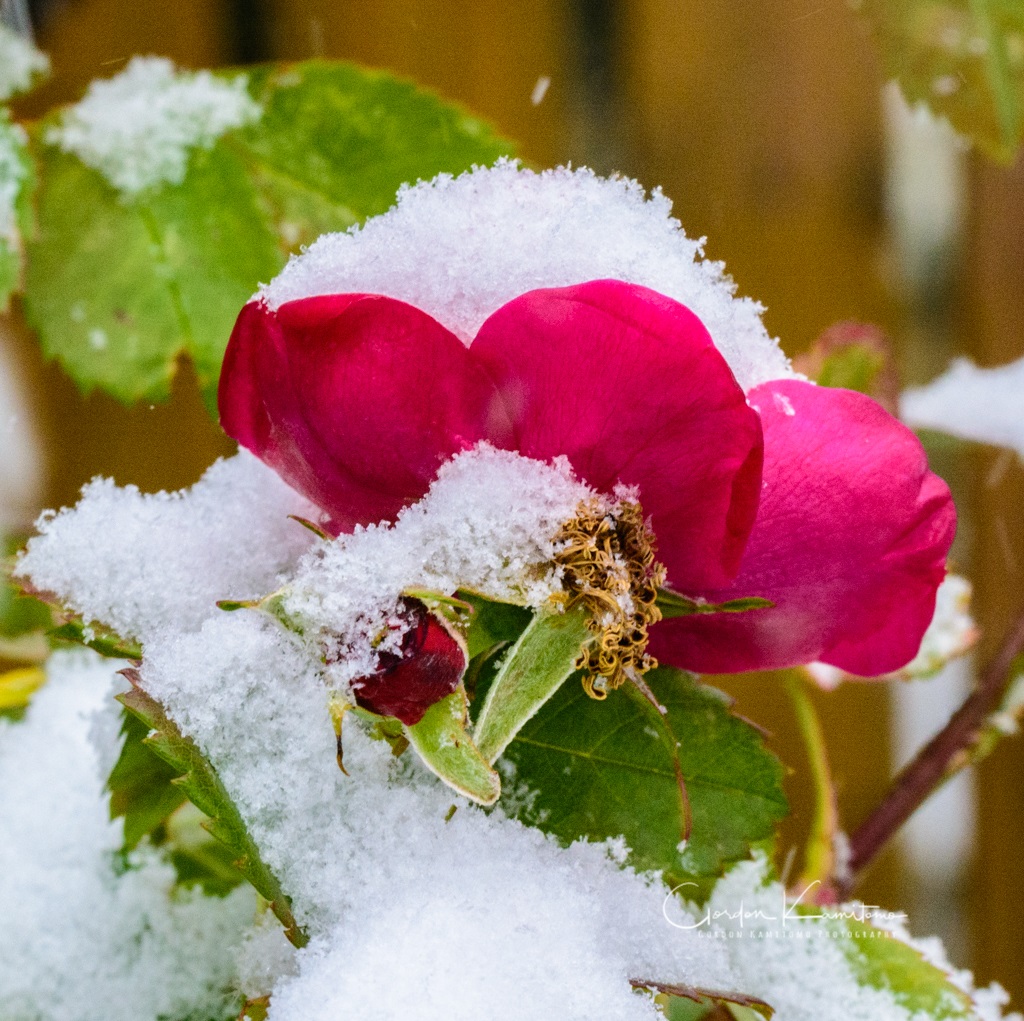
[17, 182]
[672, 604]
[545, 655]
[964, 58]
[883, 961]
[854, 356]
[591, 764]
[492, 624]
[141, 784]
[119, 287]
[443, 743]
[200, 783]
[97, 637]
[336, 141]
[681, 997]
[20, 613]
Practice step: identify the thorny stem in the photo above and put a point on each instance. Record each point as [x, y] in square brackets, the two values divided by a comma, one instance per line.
[819, 857]
[946, 754]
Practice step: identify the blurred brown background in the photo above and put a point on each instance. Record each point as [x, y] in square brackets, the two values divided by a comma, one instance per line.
[764, 123]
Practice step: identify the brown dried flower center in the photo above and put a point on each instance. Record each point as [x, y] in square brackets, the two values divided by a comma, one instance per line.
[607, 555]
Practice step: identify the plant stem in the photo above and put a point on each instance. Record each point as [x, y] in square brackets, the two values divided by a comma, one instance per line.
[819, 856]
[946, 754]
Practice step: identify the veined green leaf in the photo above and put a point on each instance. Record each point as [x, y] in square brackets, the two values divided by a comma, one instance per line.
[200, 783]
[120, 286]
[600, 770]
[964, 58]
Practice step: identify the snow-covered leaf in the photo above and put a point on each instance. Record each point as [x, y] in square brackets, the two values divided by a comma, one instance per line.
[601, 769]
[888, 963]
[701, 998]
[545, 655]
[964, 58]
[120, 283]
[201, 784]
[16, 185]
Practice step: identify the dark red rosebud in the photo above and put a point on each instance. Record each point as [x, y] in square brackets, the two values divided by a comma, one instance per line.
[429, 667]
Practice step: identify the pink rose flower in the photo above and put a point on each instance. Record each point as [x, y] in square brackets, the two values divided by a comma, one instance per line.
[815, 499]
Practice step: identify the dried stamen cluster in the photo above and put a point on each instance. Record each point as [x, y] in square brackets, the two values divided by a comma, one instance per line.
[606, 553]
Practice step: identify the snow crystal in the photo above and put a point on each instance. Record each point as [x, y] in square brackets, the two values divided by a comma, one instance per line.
[12, 177]
[972, 403]
[460, 248]
[138, 128]
[20, 63]
[487, 524]
[80, 940]
[139, 562]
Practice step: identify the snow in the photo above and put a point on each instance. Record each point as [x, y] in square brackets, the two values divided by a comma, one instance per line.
[12, 178]
[412, 911]
[139, 128]
[81, 939]
[139, 562]
[972, 403]
[460, 248]
[487, 524]
[20, 63]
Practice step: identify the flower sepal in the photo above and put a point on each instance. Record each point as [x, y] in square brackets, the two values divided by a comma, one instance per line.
[675, 604]
[439, 737]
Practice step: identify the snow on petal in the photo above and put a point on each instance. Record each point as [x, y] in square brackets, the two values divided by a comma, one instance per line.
[972, 403]
[628, 385]
[139, 128]
[460, 248]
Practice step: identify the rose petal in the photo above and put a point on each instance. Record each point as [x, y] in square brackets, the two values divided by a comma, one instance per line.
[356, 400]
[627, 383]
[850, 544]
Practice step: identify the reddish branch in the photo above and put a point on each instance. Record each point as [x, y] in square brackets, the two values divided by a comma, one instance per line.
[944, 755]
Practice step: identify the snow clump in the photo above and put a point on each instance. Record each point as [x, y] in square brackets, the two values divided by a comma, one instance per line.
[20, 63]
[461, 247]
[82, 938]
[139, 127]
